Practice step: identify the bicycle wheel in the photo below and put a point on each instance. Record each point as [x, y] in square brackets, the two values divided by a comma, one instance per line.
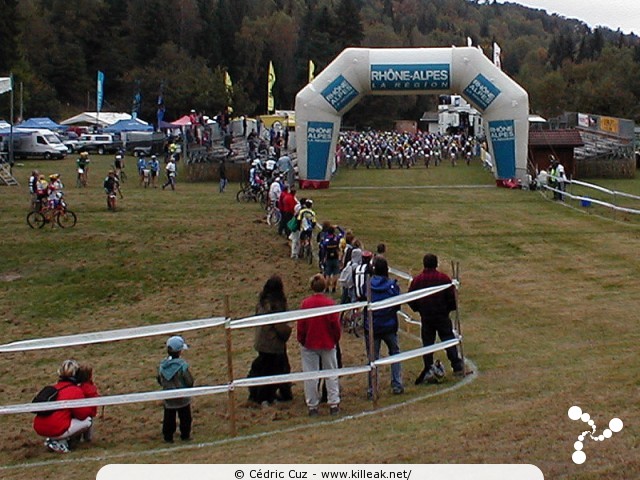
[66, 219]
[35, 220]
[244, 196]
[274, 216]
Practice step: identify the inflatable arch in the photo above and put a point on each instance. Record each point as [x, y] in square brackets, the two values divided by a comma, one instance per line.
[409, 71]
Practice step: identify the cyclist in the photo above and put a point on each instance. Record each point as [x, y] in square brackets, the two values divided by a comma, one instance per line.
[54, 190]
[307, 221]
[170, 170]
[82, 163]
[118, 165]
[142, 166]
[41, 192]
[154, 166]
[111, 186]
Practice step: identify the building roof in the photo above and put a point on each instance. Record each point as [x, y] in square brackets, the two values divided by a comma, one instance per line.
[556, 138]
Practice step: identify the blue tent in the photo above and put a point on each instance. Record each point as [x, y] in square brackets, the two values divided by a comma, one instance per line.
[42, 122]
[130, 125]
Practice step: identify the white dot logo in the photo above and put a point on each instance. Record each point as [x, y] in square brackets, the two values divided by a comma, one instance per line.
[575, 413]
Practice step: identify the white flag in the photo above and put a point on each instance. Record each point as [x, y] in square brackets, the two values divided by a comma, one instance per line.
[469, 42]
[5, 84]
[496, 55]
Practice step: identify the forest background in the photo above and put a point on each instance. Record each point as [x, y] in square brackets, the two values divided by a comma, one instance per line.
[182, 49]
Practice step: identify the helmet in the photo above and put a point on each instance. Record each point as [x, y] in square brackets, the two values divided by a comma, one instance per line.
[118, 157]
[153, 157]
[84, 154]
[54, 176]
[255, 162]
[308, 203]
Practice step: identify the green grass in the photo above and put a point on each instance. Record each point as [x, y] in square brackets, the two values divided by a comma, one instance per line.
[548, 302]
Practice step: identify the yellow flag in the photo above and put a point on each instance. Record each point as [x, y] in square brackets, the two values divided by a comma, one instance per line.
[312, 71]
[271, 104]
[227, 82]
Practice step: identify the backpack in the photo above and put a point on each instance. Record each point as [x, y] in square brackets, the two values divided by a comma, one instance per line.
[47, 394]
[294, 224]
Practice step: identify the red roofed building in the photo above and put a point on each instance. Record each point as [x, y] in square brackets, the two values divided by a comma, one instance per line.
[559, 143]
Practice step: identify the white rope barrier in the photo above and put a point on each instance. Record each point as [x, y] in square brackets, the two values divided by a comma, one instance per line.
[215, 389]
[253, 321]
[593, 200]
[110, 335]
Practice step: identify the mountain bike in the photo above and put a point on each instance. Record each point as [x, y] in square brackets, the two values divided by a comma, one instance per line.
[273, 215]
[353, 321]
[59, 214]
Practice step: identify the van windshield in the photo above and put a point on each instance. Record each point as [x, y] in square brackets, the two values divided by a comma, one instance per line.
[52, 139]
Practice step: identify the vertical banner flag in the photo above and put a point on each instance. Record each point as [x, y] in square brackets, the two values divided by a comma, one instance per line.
[312, 71]
[469, 42]
[160, 103]
[5, 84]
[496, 55]
[99, 91]
[137, 100]
[228, 86]
[271, 105]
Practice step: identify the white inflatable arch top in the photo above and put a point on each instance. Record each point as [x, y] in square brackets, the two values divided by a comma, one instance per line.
[410, 71]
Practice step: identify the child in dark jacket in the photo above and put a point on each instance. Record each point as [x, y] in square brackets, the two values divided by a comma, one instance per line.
[174, 373]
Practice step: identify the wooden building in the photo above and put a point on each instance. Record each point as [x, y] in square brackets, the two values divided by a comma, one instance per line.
[559, 143]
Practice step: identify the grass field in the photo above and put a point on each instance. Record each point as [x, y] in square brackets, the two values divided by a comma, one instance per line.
[548, 301]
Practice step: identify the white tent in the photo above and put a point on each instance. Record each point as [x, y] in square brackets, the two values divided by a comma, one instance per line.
[104, 119]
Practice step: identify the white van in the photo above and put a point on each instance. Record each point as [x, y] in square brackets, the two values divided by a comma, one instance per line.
[37, 143]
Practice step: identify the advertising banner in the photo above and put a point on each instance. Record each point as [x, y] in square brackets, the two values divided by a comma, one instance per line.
[319, 135]
[99, 91]
[503, 139]
[339, 93]
[398, 77]
[609, 124]
[481, 92]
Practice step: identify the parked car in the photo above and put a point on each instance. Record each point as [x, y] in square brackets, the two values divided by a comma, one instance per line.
[70, 140]
[100, 143]
[28, 143]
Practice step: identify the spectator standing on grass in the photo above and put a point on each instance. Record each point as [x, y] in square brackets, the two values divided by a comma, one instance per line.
[154, 167]
[173, 373]
[60, 425]
[330, 249]
[285, 167]
[170, 169]
[318, 337]
[434, 314]
[271, 344]
[385, 322]
[222, 172]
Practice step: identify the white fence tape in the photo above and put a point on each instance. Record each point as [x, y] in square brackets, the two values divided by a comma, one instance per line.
[215, 389]
[254, 321]
[110, 335]
[596, 201]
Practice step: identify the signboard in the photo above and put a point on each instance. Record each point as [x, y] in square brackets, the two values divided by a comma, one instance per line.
[398, 77]
[608, 124]
[339, 93]
[503, 139]
[319, 135]
[481, 92]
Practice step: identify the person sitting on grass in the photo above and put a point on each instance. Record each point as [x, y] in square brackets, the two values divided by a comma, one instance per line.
[60, 425]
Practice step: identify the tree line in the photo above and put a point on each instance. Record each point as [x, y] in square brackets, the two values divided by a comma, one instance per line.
[183, 48]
